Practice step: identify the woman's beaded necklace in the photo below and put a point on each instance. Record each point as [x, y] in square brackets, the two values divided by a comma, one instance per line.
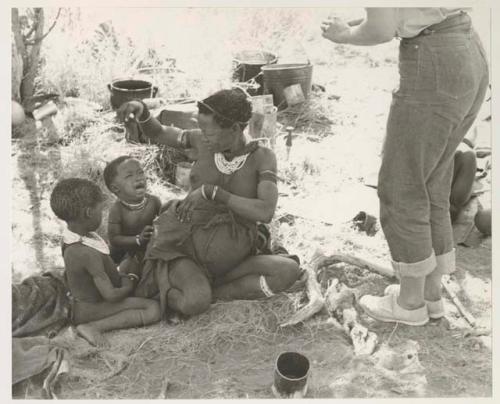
[229, 167]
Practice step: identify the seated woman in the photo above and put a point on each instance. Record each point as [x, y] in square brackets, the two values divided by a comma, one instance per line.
[204, 247]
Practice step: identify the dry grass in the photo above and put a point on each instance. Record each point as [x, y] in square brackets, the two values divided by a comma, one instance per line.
[229, 351]
[224, 353]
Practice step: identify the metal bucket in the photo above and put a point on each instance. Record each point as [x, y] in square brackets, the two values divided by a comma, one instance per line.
[247, 65]
[290, 375]
[123, 90]
[277, 77]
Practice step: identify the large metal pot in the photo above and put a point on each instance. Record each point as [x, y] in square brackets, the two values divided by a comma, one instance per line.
[123, 90]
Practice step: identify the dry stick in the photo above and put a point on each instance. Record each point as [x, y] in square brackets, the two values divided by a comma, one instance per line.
[362, 263]
[51, 377]
[454, 298]
[126, 363]
[316, 299]
[164, 389]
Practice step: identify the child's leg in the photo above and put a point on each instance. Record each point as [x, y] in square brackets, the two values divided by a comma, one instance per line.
[96, 318]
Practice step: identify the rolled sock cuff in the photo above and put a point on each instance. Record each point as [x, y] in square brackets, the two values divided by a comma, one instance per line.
[446, 262]
[415, 269]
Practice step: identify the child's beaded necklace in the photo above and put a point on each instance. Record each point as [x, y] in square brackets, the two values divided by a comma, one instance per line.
[135, 206]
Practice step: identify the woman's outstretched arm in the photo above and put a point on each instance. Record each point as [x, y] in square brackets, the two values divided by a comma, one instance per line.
[152, 128]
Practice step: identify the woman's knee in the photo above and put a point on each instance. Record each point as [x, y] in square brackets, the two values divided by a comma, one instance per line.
[195, 301]
[195, 290]
[287, 273]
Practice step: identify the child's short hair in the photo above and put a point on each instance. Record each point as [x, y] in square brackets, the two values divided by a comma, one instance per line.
[70, 196]
[111, 170]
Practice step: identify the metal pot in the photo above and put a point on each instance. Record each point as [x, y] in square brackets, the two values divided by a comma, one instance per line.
[123, 90]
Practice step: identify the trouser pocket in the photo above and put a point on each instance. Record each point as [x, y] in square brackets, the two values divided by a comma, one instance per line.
[454, 69]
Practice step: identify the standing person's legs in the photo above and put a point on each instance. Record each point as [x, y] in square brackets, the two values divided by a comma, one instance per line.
[416, 139]
[441, 179]
[441, 81]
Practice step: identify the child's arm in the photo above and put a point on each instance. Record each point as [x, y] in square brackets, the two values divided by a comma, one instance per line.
[93, 264]
[115, 236]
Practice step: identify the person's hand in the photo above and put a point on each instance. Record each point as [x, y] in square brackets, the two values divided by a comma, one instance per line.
[336, 30]
[129, 111]
[185, 207]
[146, 234]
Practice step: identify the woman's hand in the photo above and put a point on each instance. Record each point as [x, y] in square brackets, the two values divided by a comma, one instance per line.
[185, 207]
[336, 30]
[130, 110]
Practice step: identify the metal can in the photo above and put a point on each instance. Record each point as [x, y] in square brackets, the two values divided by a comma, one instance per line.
[182, 172]
[290, 375]
[45, 110]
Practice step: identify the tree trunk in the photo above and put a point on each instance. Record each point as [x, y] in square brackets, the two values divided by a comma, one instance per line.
[17, 56]
[31, 57]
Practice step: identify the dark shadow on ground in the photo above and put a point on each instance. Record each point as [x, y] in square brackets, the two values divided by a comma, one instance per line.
[39, 165]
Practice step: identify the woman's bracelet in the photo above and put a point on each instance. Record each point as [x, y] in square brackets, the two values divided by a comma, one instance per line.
[203, 194]
[214, 192]
[138, 240]
[146, 120]
[145, 110]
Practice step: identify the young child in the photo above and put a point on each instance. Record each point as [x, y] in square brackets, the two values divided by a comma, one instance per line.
[131, 216]
[99, 293]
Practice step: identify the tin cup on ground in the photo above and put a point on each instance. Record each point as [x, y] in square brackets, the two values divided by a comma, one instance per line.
[291, 372]
[45, 110]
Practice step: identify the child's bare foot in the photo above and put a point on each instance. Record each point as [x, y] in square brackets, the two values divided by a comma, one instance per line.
[93, 336]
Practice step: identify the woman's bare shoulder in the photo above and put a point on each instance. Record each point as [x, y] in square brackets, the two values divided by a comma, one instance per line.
[264, 156]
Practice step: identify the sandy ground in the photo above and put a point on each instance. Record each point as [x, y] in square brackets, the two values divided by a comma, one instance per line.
[331, 170]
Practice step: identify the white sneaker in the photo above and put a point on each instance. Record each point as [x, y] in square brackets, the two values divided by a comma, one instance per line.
[386, 308]
[435, 309]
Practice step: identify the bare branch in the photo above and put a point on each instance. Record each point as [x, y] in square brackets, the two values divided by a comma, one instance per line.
[31, 31]
[42, 37]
